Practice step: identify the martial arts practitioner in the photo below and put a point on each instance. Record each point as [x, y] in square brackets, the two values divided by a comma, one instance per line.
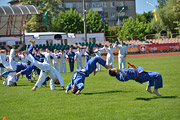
[88, 53]
[10, 68]
[62, 55]
[46, 70]
[78, 78]
[70, 55]
[47, 55]
[139, 75]
[2, 54]
[110, 55]
[122, 55]
[98, 54]
[23, 59]
[27, 71]
[79, 58]
[55, 59]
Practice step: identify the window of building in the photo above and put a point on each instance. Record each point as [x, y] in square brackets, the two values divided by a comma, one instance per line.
[104, 4]
[112, 14]
[97, 4]
[2, 43]
[123, 3]
[87, 5]
[79, 5]
[69, 5]
[105, 14]
[112, 4]
[49, 41]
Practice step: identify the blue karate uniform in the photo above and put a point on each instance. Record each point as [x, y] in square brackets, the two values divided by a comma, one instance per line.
[78, 77]
[28, 70]
[71, 60]
[153, 78]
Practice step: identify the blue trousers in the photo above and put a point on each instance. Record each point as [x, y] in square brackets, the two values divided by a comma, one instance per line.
[71, 66]
[153, 78]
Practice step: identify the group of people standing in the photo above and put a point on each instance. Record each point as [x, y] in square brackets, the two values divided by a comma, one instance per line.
[40, 62]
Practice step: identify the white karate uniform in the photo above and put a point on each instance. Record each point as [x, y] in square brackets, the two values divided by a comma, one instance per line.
[98, 54]
[47, 58]
[4, 56]
[78, 56]
[10, 67]
[62, 62]
[122, 56]
[23, 59]
[46, 70]
[55, 61]
[110, 55]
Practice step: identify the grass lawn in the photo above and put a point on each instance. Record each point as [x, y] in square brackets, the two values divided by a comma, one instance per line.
[103, 98]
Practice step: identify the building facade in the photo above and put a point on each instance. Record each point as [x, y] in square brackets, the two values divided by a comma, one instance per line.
[112, 8]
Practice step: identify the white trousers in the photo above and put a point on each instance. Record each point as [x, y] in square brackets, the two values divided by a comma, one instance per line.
[10, 78]
[56, 66]
[110, 60]
[46, 69]
[62, 67]
[122, 62]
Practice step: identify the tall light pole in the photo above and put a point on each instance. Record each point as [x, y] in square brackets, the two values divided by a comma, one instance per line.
[150, 4]
[154, 13]
[119, 14]
[84, 16]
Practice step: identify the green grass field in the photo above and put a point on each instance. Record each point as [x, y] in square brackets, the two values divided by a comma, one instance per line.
[104, 98]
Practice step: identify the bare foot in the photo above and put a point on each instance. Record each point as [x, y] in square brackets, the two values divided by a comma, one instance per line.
[108, 66]
[156, 92]
[34, 88]
[148, 89]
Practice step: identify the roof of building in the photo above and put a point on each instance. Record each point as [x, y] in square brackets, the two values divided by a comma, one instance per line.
[18, 10]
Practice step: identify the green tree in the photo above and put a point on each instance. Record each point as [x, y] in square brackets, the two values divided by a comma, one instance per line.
[94, 22]
[52, 8]
[68, 21]
[167, 16]
[161, 3]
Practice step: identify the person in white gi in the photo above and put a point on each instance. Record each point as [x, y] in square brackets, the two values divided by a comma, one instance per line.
[23, 59]
[98, 54]
[10, 67]
[79, 58]
[2, 54]
[46, 70]
[47, 55]
[122, 56]
[62, 55]
[55, 59]
[110, 55]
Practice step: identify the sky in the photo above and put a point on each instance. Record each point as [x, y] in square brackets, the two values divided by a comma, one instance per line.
[141, 5]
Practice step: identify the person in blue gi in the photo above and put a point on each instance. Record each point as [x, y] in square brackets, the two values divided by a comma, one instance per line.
[27, 71]
[70, 56]
[88, 53]
[78, 78]
[139, 75]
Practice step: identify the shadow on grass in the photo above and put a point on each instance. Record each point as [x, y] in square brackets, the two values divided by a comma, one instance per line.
[161, 97]
[116, 91]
